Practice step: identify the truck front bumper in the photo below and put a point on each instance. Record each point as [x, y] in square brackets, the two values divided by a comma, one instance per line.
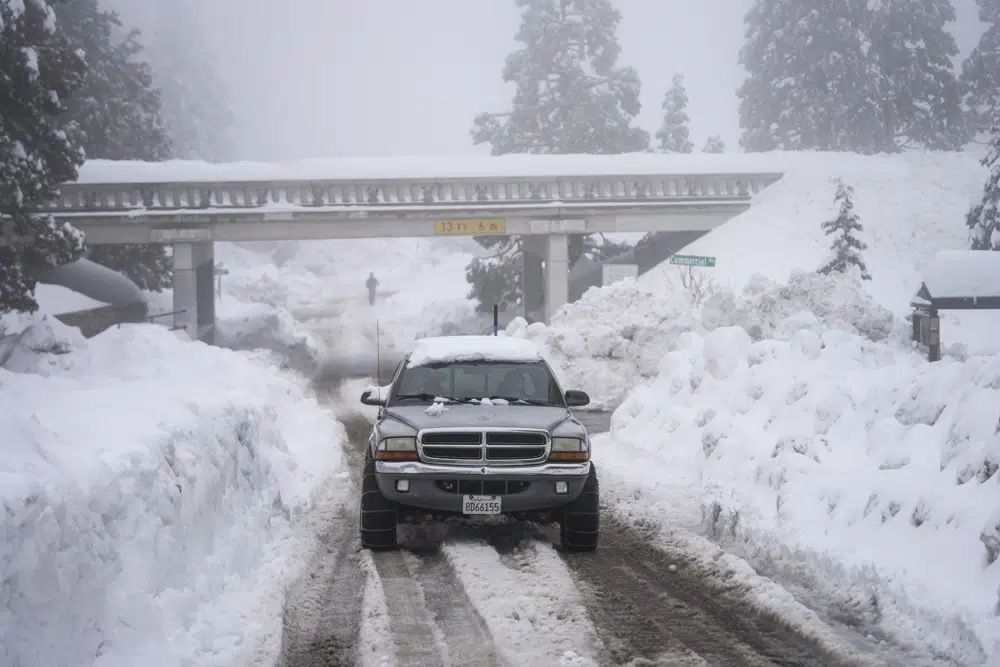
[440, 488]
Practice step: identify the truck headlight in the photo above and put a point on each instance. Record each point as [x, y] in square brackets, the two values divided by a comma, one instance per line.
[396, 449]
[569, 450]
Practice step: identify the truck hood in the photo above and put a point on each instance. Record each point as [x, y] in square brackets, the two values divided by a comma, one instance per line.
[482, 416]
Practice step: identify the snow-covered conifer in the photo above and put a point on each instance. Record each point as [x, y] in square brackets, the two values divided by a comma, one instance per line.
[118, 111]
[914, 78]
[850, 75]
[984, 218]
[38, 147]
[570, 95]
[714, 144]
[809, 78]
[674, 136]
[846, 246]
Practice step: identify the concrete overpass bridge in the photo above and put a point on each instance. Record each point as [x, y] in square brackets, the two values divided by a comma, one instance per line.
[543, 198]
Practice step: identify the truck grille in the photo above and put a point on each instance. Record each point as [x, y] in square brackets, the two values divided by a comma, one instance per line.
[475, 447]
[484, 487]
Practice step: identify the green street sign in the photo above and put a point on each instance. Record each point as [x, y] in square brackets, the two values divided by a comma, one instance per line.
[692, 260]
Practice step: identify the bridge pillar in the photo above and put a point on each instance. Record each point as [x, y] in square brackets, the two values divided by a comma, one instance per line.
[194, 289]
[556, 273]
[533, 251]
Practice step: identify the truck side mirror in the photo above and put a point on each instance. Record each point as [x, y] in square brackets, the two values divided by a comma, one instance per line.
[369, 399]
[577, 399]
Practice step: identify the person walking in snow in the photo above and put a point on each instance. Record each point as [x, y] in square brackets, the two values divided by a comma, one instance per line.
[371, 284]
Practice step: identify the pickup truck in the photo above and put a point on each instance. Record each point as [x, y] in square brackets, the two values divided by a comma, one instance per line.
[475, 426]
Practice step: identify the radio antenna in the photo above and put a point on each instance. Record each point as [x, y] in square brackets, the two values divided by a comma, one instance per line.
[378, 360]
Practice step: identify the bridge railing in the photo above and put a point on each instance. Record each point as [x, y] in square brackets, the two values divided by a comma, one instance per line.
[457, 192]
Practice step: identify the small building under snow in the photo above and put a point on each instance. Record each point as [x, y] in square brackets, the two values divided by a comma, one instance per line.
[955, 280]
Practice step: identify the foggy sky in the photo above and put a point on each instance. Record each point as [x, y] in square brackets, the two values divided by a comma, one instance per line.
[332, 78]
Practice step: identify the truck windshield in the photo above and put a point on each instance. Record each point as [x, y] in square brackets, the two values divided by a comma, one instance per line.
[517, 382]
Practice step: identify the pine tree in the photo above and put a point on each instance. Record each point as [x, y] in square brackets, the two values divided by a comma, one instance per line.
[674, 135]
[984, 219]
[715, 144]
[116, 107]
[846, 247]
[854, 75]
[916, 83]
[118, 111]
[570, 97]
[981, 71]
[496, 279]
[808, 85]
[38, 146]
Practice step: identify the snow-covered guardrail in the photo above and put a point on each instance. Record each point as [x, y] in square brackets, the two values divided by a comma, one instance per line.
[402, 193]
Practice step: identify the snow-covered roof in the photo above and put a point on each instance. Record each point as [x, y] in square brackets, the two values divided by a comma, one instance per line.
[964, 273]
[515, 166]
[472, 348]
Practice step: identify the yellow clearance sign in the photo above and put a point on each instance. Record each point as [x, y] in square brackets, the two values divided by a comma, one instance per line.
[471, 226]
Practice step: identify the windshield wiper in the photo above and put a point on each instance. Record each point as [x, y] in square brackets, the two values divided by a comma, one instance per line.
[516, 399]
[434, 397]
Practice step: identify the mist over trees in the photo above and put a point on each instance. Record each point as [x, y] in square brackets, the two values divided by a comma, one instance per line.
[193, 98]
[981, 70]
[39, 148]
[850, 75]
[570, 97]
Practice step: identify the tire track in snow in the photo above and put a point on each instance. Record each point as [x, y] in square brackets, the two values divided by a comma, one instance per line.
[528, 600]
[417, 639]
[467, 639]
[646, 612]
[323, 608]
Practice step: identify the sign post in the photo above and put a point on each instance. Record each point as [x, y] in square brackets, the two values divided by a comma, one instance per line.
[220, 271]
[692, 260]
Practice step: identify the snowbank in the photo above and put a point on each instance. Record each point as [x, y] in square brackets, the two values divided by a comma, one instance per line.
[856, 458]
[796, 425]
[614, 337]
[150, 489]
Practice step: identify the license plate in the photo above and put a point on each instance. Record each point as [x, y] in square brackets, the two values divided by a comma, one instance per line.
[480, 504]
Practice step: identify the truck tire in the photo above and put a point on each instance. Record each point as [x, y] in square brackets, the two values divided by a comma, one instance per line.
[579, 525]
[379, 515]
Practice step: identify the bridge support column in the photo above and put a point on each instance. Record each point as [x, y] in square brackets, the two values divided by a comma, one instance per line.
[533, 251]
[556, 273]
[194, 289]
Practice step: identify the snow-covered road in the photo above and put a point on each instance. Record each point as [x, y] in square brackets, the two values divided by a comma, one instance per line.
[459, 595]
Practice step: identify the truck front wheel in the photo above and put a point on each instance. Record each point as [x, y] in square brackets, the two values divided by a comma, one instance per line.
[579, 525]
[379, 515]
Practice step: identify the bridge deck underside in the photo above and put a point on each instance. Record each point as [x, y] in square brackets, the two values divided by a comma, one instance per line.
[331, 223]
[277, 210]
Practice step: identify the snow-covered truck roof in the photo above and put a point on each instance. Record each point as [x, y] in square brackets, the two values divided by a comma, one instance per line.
[963, 274]
[445, 349]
